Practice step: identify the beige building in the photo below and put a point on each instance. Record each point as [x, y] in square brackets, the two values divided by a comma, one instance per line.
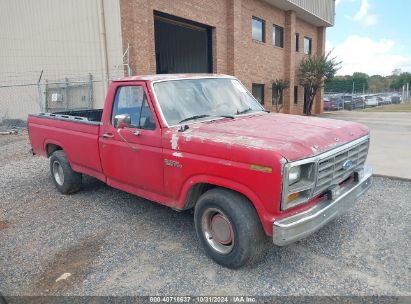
[64, 39]
[77, 43]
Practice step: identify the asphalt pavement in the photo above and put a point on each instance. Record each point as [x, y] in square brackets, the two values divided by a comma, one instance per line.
[390, 147]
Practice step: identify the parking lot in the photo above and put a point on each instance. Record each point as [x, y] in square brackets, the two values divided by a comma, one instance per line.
[390, 148]
[112, 243]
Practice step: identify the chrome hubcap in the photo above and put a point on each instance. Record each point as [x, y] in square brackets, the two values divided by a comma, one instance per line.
[218, 231]
[58, 173]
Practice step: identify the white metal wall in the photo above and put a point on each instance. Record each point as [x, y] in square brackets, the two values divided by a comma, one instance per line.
[60, 37]
[324, 9]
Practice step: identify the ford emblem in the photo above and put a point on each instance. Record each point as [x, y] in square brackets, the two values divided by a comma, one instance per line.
[347, 165]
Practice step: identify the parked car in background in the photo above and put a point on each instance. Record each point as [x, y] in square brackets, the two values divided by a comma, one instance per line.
[338, 102]
[371, 101]
[359, 102]
[386, 98]
[348, 102]
[352, 102]
[327, 105]
[332, 104]
[396, 99]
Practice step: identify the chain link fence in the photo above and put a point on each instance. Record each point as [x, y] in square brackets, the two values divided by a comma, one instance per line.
[334, 101]
[70, 94]
[18, 100]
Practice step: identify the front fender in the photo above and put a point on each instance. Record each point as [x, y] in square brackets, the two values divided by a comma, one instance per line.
[232, 185]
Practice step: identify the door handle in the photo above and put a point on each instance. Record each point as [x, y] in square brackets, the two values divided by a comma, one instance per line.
[108, 135]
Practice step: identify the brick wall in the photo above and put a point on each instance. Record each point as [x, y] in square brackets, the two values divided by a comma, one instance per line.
[234, 51]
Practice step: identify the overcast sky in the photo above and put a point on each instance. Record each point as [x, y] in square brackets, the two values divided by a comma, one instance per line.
[372, 36]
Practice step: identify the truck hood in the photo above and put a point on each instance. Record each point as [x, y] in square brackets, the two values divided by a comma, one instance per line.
[293, 137]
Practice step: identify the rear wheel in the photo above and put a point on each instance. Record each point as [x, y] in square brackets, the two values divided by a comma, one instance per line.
[65, 179]
[228, 228]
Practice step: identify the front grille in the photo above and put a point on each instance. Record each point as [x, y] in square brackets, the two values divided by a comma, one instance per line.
[330, 168]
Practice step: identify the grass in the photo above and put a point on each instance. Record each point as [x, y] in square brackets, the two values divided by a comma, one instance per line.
[403, 107]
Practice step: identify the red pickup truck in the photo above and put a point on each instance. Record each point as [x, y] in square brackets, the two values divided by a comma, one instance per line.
[204, 142]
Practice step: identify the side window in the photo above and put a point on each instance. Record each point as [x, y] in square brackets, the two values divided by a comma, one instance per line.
[132, 100]
[307, 45]
[146, 117]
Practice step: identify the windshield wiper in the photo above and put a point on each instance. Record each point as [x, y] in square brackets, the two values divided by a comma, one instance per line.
[194, 117]
[206, 115]
[244, 111]
[225, 116]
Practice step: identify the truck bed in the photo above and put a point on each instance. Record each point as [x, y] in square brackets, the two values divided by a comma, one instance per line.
[81, 116]
[75, 132]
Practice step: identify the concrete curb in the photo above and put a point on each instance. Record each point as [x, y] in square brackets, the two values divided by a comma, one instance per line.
[393, 177]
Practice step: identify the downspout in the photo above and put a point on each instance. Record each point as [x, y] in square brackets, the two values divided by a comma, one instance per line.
[103, 46]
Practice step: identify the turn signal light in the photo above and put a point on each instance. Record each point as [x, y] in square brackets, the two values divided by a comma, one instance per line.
[293, 196]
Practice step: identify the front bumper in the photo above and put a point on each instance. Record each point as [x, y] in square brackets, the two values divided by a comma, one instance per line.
[301, 225]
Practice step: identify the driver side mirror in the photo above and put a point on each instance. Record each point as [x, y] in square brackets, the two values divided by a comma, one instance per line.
[122, 121]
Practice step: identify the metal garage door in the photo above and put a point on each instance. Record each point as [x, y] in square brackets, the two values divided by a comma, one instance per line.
[182, 47]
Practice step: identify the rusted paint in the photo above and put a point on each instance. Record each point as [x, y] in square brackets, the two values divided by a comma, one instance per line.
[174, 141]
[177, 154]
[293, 137]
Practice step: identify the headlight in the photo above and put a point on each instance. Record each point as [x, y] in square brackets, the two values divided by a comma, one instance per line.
[294, 175]
[298, 183]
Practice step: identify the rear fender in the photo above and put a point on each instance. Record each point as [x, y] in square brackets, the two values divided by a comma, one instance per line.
[48, 142]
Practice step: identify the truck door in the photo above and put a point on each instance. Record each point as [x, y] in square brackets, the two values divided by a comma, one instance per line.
[131, 155]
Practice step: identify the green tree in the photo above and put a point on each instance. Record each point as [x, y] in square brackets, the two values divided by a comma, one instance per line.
[378, 83]
[400, 80]
[339, 84]
[313, 71]
[360, 82]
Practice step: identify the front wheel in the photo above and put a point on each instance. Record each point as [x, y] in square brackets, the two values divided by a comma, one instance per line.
[65, 179]
[228, 228]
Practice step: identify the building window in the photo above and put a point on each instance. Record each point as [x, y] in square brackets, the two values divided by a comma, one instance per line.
[258, 92]
[278, 36]
[307, 45]
[297, 42]
[258, 29]
[295, 94]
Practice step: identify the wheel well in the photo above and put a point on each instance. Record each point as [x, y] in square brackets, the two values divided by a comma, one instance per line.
[51, 148]
[199, 189]
[195, 192]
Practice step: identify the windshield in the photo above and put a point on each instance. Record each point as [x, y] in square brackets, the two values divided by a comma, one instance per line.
[195, 99]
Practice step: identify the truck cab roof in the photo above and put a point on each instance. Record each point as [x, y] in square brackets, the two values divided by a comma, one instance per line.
[162, 77]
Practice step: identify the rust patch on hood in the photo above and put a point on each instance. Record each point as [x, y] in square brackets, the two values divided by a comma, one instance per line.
[294, 137]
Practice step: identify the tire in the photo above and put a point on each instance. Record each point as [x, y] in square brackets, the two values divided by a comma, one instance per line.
[65, 179]
[239, 238]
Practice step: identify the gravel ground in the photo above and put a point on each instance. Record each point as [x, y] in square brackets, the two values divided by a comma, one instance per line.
[113, 243]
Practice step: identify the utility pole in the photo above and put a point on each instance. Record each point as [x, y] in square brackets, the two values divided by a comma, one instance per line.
[105, 73]
[403, 92]
[40, 95]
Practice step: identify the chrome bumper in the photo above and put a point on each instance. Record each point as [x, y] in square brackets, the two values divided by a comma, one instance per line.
[301, 225]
